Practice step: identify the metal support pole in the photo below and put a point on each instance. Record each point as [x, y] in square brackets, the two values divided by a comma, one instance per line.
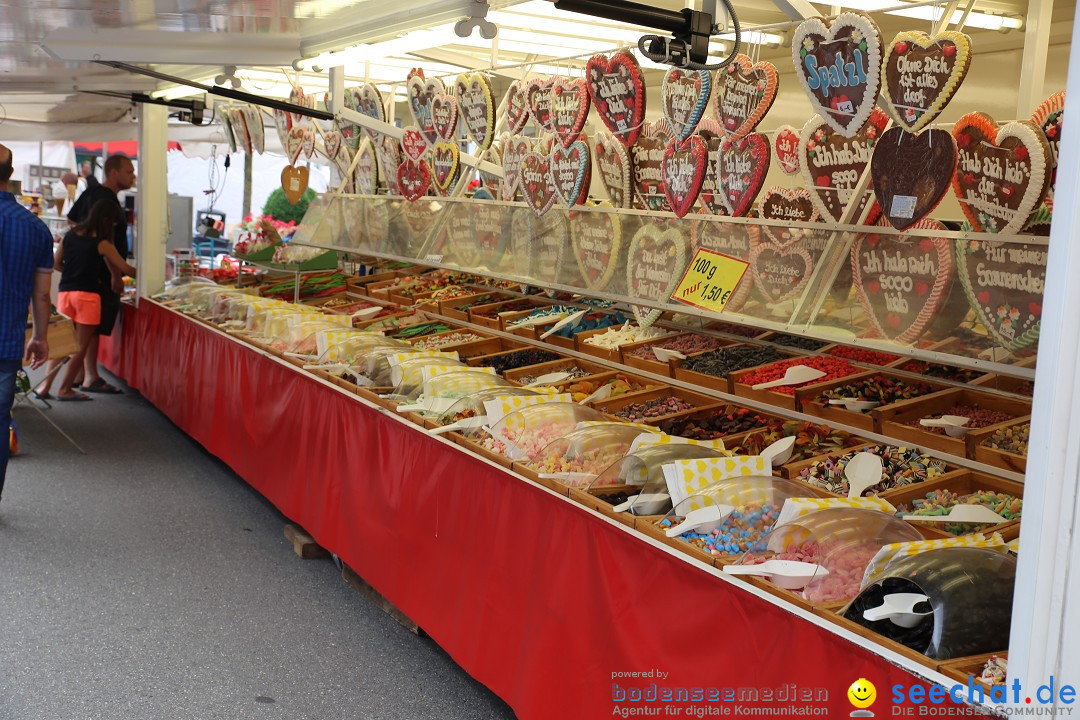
[152, 203]
[1033, 65]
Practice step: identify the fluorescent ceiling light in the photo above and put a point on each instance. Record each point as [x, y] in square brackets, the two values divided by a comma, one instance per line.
[753, 37]
[180, 91]
[980, 20]
[312, 9]
[406, 43]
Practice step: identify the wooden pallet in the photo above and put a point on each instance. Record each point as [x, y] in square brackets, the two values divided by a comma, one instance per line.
[358, 583]
[303, 544]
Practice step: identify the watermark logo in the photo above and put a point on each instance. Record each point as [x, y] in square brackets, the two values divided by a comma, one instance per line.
[862, 695]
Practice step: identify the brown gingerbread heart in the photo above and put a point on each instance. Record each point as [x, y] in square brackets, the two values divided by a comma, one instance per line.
[294, 181]
[648, 160]
[788, 204]
[615, 168]
[831, 163]
[922, 73]
[912, 173]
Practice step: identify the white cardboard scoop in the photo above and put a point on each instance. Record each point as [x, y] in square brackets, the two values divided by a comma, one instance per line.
[549, 379]
[899, 608]
[602, 393]
[663, 354]
[962, 514]
[644, 503]
[855, 404]
[794, 375]
[512, 451]
[366, 313]
[788, 574]
[470, 423]
[780, 451]
[862, 472]
[568, 320]
[954, 425]
[703, 520]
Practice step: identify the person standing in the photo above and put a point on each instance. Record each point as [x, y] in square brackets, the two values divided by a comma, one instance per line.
[25, 270]
[119, 175]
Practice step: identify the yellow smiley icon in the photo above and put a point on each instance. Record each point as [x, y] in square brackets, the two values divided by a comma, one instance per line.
[862, 693]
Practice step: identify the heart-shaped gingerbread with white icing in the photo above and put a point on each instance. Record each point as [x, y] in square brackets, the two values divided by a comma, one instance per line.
[570, 172]
[921, 73]
[477, 106]
[833, 163]
[535, 182]
[617, 90]
[655, 262]
[745, 91]
[414, 179]
[684, 95]
[742, 164]
[615, 168]
[596, 241]
[569, 109]
[683, 172]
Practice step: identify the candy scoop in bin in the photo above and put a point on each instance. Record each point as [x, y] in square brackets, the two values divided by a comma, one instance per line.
[644, 504]
[702, 520]
[952, 424]
[855, 404]
[787, 574]
[794, 375]
[900, 609]
[862, 473]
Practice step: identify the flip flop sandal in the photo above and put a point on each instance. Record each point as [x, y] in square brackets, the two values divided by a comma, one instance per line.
[43, 396]
[100, 386]
[77, 397]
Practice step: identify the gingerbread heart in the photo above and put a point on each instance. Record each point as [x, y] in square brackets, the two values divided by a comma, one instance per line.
[733, 240]
[1049, 117]
[742, 165]
[655, 262]
[294, 181]
[569, 108]
[922, 73]
[332, 143]
[648, 159]
[780, 271]
[366, 170]
[413, 144]
[367, 100]
[838, 63]
[912, 173]
[492, 224]
[414, 179]
[786, 145]
[460, 245]
[550, 239]
[307, 144]
[490, 180]
[422, 94]
[902, 281]
[239, 128]
[614, 165]
[538, 96]
[445, 161]
[514, 149]
[521, 261]
[283, 124]
[790, 205]
[1001, 174]
[569, 172]
[517, 107]
[684, 95]
[833, 163]
[535, 182]
[343, 162]
[597, 240]
[714, 136]
[618, 94]
[444, 116]
[683, 172]
[745, 91]
[294, 144]
[477, 105]
[389, 153]
[1004, 284]
[227, 124]
[297, 97]
[253, 118]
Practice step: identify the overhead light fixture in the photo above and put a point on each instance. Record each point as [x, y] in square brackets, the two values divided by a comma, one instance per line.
[753, 37]
[177, 91]
[405, 43]
[313, 9]
[984, 21]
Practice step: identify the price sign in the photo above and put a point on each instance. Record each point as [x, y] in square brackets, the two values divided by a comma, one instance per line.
[710, 280]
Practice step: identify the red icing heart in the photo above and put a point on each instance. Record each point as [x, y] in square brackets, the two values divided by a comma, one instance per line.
[925, 244]
[873, 287]
[786, 144]
[444, 115]
[983, 297]
[921, 288]
[902, 47]
[892, 320]
[618, 92]
[948, 50]
[1035, 308]
[536, 183]
[683, 170]
[413, 143]
[569, 109]
[414, 178]
[741, 167]
[538, 95]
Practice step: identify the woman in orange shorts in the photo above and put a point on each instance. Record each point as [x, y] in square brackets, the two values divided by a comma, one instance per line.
[86, 258]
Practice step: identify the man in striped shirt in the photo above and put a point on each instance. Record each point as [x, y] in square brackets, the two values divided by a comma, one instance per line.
[26, 261]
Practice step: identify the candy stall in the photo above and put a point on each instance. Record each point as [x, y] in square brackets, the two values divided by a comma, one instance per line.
[629, 365]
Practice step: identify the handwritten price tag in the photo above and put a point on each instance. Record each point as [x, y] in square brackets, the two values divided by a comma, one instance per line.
[709, 281]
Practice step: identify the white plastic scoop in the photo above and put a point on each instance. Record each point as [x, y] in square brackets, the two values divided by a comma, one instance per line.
[703, 520]
[549, 379]
[962, 514]
[952, 424]
[602, 393]
[299, 356]
[863, 472]
[663, 354]
[470, 423]
[430, 405]
[855, 404]
[644, 504]
[899, 608]
[366, 313]
[795, 375]
[780, 451]
[512, 451]
[788, 574]
[568, 320]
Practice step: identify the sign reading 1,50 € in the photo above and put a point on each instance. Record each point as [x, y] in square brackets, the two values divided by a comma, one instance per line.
[709, 281]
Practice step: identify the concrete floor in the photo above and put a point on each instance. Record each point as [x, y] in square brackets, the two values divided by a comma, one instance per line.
[146, 580]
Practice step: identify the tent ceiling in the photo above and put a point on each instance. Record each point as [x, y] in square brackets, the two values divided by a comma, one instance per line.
[259, 36]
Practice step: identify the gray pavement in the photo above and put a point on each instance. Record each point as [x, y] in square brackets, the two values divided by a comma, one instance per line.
[145, 580]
